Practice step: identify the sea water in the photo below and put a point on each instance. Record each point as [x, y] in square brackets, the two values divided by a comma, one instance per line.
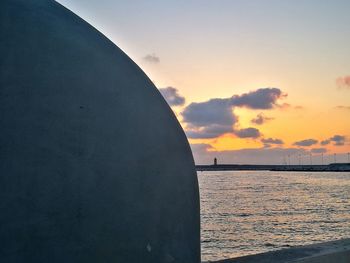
[248, 212]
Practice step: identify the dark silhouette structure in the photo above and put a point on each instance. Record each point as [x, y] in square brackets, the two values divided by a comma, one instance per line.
[94, 166]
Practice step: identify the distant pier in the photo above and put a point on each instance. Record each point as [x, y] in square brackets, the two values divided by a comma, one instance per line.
[333, 167]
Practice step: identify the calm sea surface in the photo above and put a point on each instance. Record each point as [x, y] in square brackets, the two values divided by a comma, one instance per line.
[250, 212]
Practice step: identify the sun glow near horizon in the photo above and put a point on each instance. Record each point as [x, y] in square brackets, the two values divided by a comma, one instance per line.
[257, 52]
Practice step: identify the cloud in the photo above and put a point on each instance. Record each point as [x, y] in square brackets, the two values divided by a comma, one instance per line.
[201, 147]
[339, 140]
[287, 106]
[272, 141]
[343, 82]
[205, 154]
[172, 96]
[284, 106]
[319, 150]
[209, 132]
[151, 58]
[341, 107]
[325, 142]
[307, 142]
[265, 98]
[215, 117]
[260, 119]
[209, 119]
[247, 133]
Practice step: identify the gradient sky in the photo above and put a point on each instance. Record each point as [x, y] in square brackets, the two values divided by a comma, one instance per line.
[224, 49]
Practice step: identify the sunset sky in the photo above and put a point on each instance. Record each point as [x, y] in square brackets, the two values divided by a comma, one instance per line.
[251, 81]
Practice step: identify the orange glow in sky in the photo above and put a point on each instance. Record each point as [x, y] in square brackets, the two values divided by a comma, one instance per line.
[218, 49]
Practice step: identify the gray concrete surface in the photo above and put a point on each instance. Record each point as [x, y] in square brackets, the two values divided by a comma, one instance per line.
[327, 252]
[94, 166]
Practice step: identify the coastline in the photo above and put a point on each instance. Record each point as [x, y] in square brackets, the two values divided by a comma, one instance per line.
[333, 167]
[327, 252]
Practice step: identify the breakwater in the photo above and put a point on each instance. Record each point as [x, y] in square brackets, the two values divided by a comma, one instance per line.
[333, 167]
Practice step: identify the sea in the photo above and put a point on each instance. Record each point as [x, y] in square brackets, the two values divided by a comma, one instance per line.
[249, 212]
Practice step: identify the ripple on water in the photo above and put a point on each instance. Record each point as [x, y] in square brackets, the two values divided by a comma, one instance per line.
[256, 211]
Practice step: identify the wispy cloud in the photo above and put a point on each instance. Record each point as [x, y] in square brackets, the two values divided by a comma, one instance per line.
[325, 142]
[305, 143]
[285, 106]
[172, 96]
[338, 140]
[204, 154]
[260, 119]
[319, 150]
[343, 82]
[247, 133]
[151, 58]
[341, 107]
[271, 141]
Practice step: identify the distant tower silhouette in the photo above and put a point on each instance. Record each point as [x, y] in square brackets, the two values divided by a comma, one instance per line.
[215, 161]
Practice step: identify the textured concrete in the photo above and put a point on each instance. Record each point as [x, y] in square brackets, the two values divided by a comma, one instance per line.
[94, 166]
[328, 252]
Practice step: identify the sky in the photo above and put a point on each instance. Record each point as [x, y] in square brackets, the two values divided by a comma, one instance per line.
[251, 81]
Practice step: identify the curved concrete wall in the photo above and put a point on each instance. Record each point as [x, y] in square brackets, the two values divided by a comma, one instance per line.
[94, 166]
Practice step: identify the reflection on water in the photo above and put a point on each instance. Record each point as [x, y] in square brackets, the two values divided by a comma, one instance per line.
[250, 212]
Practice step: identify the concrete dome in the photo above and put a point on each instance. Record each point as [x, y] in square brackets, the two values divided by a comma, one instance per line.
[94, 166]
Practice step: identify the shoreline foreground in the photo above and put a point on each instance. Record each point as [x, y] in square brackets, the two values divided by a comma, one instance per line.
[333, 251]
